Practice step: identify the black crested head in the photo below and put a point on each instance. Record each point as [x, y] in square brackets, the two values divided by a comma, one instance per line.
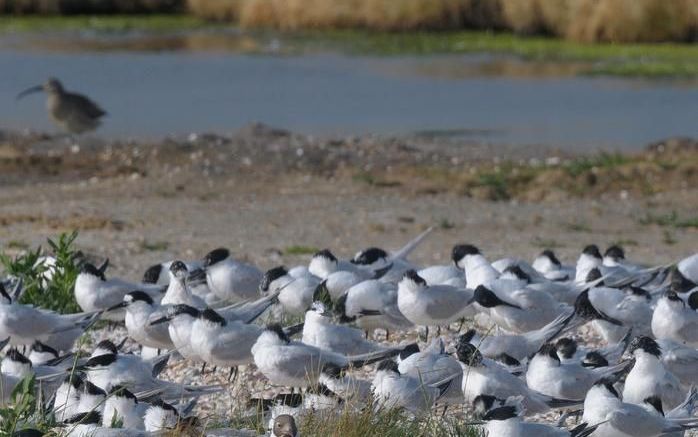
[215, 256]
[468, 354]
[388, 366]
[680, 283]
[121, 391]
[693, 300]
[615, 252]
[460, 251]
[551, 256]
[592, 250]
[107, 345]
[586, 311]
[483, 403]
[593, 275]
[272, 275]
[369, 256]
[507, 360]
[566, 347]
[279, 331]
[89, 418]
[101, 360]
[180, 309]
[213, 317]
[608, 384]
[412, 275]
[409, 350]
[179, 269]
[549, 350]
[672, 296]
[641, 292]
[152, 275]
[140, 296]
[594, 359]
[333, 371]
[165, 406]
[645, 344]
[518, 272]
[40, 347]
[75, 379]
[15, 355]
[656, 403]
[486, 298]
[91, 389]
[90, 269]
[468, 336]
[501, 413]
[325, 253]
[340, 308]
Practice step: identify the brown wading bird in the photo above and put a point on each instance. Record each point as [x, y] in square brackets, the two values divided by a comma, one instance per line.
[72, 112]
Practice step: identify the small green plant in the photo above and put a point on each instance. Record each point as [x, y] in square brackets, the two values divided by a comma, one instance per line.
[577, 227]
[498, 183]
[585, 164]
[24, 409]
[154, 246]
[671, 219]
[546, 243]
[48, 286]
[446, 224]
[300, 250]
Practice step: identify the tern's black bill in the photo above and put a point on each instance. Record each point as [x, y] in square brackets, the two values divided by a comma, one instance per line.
[117, 306]
[159, 321]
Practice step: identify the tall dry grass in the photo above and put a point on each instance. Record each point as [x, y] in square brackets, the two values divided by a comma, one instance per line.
[55, 7]
[580, 20]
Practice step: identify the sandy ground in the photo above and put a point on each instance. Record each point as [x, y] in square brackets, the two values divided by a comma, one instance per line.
[146, 203]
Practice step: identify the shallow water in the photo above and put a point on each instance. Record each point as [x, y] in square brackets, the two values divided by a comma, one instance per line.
[175, 91]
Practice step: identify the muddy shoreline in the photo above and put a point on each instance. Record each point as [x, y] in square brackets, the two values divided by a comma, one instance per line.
[273, 197]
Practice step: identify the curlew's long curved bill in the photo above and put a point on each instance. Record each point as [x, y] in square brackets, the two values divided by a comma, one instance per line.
[34, 89]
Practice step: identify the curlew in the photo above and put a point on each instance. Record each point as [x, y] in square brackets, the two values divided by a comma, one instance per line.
[72, 112]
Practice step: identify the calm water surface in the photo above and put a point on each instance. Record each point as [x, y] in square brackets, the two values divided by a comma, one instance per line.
[175, 92]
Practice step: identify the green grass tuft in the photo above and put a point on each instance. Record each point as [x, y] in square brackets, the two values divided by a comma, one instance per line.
[57, 293]
[300, 250]
[671, 219]
[102, 23]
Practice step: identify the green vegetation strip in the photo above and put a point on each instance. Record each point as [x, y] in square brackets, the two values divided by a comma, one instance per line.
[650, 60]
[643, 60]
[103, 23]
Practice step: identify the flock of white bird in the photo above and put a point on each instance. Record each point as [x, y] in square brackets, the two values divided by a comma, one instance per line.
[529, 357]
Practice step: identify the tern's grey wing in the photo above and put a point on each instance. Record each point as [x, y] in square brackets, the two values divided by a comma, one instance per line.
[446, 302]
[235, 344]
[689, 332]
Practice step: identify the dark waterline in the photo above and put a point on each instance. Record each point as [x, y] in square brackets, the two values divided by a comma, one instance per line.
[150, 95]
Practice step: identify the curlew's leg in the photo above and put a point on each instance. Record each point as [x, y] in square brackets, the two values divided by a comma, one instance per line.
[203, 368]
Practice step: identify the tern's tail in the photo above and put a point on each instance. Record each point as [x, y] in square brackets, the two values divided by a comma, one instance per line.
[551, 330]
[412, 245]
[357, 361]
[584, 429]
[687, 407]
